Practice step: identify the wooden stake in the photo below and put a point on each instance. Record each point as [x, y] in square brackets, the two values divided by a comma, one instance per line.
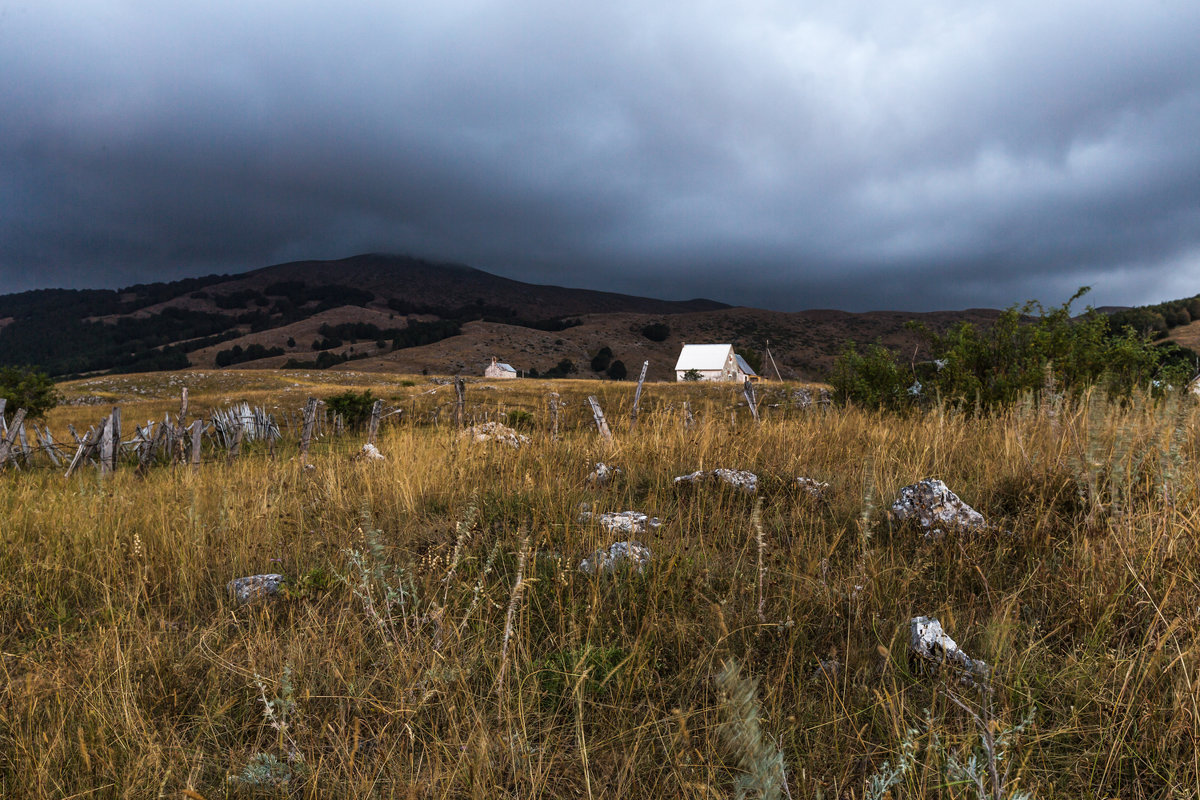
[3, 424]
[460, 390]
[116, 435]
[84, 445]
[554, 415]
[106, 446]
[197, 438]
[637, 396]
[373, 423]
[688, 419]
[310, 419]
[748, 391]
[6, 442]
[235, 449]
[601, 422]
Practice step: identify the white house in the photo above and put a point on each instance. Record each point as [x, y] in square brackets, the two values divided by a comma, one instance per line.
[714, 362]
[499, 370]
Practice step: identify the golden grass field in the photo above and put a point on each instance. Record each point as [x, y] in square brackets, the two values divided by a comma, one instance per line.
[437, 639]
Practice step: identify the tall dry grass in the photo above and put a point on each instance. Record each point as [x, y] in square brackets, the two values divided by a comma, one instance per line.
[439, 641]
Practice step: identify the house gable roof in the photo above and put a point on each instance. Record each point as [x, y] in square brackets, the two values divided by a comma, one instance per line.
[703, 357]
[743, 366]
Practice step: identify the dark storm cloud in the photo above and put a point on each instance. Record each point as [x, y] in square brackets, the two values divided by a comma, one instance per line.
[920, 156]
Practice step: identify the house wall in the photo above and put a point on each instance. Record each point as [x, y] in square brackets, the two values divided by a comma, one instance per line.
[496, 372]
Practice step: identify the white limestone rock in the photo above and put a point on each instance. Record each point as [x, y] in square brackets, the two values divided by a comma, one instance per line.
[626, 522]
[630, 555]
[603, 474]
[935, 508]
[496, 432]
[816, 488]
[742, 480]
[370, 452]
[929, 643]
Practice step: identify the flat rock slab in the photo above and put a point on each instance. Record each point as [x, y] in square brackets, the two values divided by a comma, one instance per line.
[622, 521]
[630, 555]
[739, 479]
[496, 432]
[254, 587]
[932, 505]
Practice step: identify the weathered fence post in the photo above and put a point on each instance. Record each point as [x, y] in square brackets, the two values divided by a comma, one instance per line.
[310, 418]
[24, 443]
[373, 423]
[460, 391]
[46, 443]
[554, 415]
[106, 446]
[116, 437]
[751, 400]
[688, 419]
[637, 396]
[6, 441]
[598, 413]
[235, 449]
[197, 438]
[3, 424]
[84, 445]
[183, 407]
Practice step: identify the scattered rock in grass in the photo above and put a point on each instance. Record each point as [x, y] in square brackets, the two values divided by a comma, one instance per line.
[622, 521]
[814, 487]
[738, 479]
[930, 644]
[935, 508]
[254, 587]
[802, 398]
[603, 474]
[619, 555]
[826, 669]
[496, 432]
[370, 452]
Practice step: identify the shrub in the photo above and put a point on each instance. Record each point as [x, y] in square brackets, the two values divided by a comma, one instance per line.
[616, 371]
[30, 389]
[355, 408]
[602, 359]
[657, 331]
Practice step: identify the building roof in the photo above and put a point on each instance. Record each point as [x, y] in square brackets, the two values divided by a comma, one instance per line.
[504, 367]
[703, 356]
[743, 366]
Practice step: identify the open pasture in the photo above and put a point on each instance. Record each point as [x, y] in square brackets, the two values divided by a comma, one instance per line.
[436, 638]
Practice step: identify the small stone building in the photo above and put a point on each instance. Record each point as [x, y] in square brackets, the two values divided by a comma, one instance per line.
[498, 369]
[713, 362]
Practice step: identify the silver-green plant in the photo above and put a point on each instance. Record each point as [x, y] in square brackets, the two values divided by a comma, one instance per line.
[386, 591]
[760, 760]
[266, 771]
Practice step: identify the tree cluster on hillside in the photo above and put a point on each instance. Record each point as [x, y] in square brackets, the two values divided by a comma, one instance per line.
[994, 366]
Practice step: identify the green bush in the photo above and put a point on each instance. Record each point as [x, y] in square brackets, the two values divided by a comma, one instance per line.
[355, 408]
[1021, 352]
[27, 388]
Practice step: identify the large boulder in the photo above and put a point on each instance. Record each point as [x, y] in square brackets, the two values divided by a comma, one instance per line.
[630, 555]
[930, 504]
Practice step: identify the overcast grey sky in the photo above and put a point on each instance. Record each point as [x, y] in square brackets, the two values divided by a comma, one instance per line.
[789, 155]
